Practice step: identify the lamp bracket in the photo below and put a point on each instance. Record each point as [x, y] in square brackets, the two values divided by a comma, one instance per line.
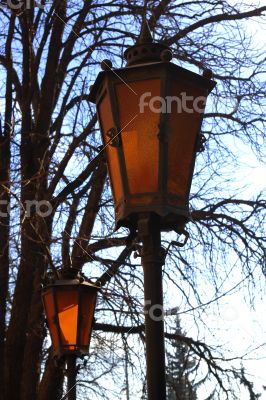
[114, 136]
[179, 244]
[151, 250]
[137, 251]
[140, 253]
[144, 225]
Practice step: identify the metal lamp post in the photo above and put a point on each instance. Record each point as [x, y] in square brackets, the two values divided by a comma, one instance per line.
[69, 304]
[150, 114]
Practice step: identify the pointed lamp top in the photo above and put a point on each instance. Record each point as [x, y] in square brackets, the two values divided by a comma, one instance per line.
[145, 50]
[145, 33]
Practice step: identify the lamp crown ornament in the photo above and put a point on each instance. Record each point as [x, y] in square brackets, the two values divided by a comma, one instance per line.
[145, 50]
[71, 273]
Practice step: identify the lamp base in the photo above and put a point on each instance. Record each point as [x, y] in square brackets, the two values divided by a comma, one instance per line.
[78, 351]
[171, 218]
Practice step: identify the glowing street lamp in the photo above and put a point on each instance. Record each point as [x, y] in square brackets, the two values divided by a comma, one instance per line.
[69, 304]
[150, 115]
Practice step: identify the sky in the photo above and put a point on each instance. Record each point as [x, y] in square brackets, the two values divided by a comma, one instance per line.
[244, 329]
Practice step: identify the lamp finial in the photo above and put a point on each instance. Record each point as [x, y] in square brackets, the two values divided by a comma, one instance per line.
[145, 33]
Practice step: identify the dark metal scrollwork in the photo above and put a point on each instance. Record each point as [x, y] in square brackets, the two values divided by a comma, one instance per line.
[114, 136]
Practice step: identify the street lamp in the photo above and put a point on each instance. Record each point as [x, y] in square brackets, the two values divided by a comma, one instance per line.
[150, 114]
[69, 304]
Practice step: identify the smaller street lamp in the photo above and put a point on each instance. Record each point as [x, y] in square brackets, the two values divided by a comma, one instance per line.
[69, 305]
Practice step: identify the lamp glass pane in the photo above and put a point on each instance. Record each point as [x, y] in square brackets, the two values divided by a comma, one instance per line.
[139, 125]
[67, 304]
[107, 123]
[50, 313]
[183, 124]
[87, 313]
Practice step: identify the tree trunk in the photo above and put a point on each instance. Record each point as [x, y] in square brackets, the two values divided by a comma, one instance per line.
[33, 348]
[5, 155]
[52, 381]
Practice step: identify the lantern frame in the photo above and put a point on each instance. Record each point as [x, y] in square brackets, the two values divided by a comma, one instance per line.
[80, 286]
[148, 61]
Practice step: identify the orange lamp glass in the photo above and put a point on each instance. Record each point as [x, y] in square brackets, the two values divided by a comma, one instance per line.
[69, 306]
[150, 114]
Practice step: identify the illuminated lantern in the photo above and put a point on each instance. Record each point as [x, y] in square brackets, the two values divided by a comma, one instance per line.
[150, 115]
[69, 306]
